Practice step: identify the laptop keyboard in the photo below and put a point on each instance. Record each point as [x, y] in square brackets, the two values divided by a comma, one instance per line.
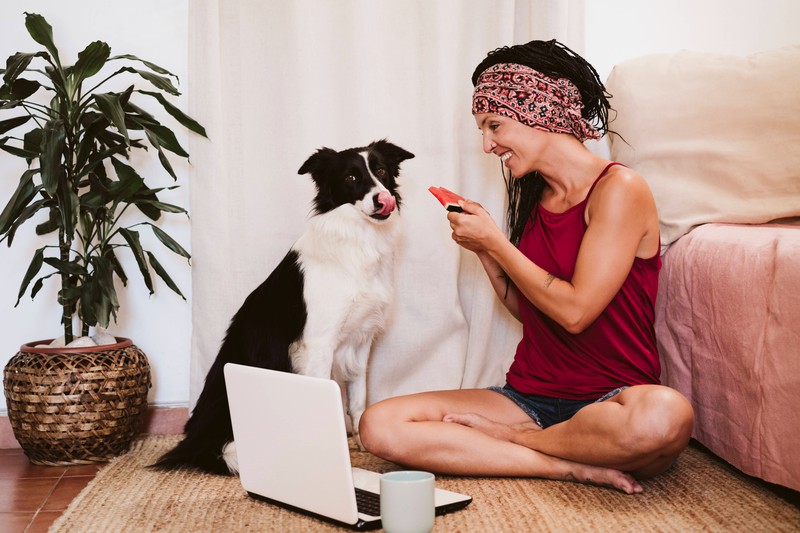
[368, 503]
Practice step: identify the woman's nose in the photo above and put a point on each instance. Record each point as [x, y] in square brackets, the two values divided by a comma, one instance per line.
[488, 144]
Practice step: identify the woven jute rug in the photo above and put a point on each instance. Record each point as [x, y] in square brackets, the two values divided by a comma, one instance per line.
[700, 493]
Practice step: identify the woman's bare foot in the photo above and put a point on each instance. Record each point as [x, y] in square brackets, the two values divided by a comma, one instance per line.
[606, 477]
[561, 468]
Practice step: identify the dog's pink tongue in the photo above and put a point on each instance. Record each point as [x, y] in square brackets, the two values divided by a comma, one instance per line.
[387, 203]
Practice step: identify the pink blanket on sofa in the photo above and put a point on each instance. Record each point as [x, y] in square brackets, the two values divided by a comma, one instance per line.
[728, 322]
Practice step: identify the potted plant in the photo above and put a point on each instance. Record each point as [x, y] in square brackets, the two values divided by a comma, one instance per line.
[83, 404]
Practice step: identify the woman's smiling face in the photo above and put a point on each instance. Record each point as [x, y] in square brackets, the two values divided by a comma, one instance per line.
[513, 142]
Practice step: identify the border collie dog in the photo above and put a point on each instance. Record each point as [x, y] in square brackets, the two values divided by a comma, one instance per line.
[320, 309]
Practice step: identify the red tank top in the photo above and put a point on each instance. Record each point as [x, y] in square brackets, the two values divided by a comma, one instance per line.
[619, 348]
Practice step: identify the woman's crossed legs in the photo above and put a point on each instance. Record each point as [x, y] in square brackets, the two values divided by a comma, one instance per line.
[481, 432]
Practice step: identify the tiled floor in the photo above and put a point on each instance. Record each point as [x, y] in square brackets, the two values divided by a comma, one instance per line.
[32, 497]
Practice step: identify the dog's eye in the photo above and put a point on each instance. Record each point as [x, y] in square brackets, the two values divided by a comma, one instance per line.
[350, 179]
[381, 172]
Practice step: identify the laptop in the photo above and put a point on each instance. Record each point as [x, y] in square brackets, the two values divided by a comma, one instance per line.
[291, 443]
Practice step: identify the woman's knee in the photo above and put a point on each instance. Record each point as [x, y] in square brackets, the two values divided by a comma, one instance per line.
[378, 423]
[369, 427]
[664, 421]
[668, 420]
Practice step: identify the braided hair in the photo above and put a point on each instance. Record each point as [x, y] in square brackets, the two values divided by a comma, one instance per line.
[555, 60]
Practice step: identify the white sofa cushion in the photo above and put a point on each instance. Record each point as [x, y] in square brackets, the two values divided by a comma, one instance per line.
[717, 137]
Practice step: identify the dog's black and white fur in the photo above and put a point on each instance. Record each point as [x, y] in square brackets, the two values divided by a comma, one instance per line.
[319, 311]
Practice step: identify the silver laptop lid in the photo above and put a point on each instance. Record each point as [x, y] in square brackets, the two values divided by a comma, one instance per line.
[291, 440]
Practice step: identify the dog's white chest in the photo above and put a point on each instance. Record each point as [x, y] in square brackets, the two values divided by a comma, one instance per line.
[348, 298]
[348, 271]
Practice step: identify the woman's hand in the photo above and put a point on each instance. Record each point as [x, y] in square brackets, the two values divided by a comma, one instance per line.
[474, 228]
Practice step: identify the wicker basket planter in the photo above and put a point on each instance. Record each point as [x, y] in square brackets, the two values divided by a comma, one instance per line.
[76, 405]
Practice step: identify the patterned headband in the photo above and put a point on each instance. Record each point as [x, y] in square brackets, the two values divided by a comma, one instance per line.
[532, 98]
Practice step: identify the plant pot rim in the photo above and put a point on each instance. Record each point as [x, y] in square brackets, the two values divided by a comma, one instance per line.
[31, 347]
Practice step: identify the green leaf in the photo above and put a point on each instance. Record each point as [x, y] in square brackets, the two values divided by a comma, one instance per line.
[17, 63]
[109, 105]
[88, 217]
[23, 194]
[26, 213]
[37, 286]
[42, 33]
[125, 96]
[23, 88]
[91, 60]
[169, 242]
[159, 82]
[11, 123]
[69, 294]
[94, 199]
[163, 275]
[69, 205]
[89, 298]
[162, 157]
[124, 171]
[72, 268]
[32, 141]
[18, 152]
[161, 206]
[149, 65]
[109, 254]
[98, 297]
[51, 225]
[132, 238]
[129, 182]
[176, 113]
[53, 142]
[139, 115]
[89, 160]
[33, 269]
[147, 202]
[166, 138]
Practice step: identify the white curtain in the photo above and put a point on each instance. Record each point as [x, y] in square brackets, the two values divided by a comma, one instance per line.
[274, 81]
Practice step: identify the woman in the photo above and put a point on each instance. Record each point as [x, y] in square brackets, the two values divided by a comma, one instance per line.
[582, 400]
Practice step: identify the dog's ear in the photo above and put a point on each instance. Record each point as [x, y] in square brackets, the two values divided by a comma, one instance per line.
[391, 151]
[317, 161]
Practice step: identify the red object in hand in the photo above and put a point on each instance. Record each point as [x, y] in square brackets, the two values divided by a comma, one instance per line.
[448, 199]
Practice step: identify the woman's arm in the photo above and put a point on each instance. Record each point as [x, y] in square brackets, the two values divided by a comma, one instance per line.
[468, 232]
[622, 224]
[501, 283]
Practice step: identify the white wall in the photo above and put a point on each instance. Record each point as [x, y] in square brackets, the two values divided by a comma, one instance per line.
[160, 325]
[617, 30]
[156, 30]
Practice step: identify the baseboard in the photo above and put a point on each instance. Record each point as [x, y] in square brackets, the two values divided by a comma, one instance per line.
[165, 420]
[159, 420]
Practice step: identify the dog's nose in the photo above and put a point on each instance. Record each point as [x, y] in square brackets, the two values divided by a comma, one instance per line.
[385, 203]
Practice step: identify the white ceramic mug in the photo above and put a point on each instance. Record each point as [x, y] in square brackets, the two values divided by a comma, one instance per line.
[407, 501]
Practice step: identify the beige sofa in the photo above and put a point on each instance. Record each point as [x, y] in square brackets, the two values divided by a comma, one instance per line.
[718, 139]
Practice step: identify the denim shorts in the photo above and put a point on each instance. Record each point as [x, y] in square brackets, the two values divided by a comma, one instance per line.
[547, 411]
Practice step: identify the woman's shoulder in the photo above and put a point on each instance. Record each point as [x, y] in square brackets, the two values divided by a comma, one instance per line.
[620, 184]
[622, 199]
[619, 173]
[623, 194]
